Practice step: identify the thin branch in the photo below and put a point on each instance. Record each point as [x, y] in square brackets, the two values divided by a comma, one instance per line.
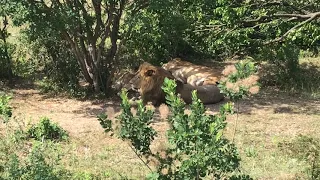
[236, 122]
[140, 157]
[209, 27]
[311, 17]
[264, 19]
[138, 6]
[87, 17]
[300, 16]
[99, 23]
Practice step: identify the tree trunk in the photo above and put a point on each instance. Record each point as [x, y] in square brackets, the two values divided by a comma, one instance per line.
[80, 58]
[8, 62]
[96, 66]
[7, 57]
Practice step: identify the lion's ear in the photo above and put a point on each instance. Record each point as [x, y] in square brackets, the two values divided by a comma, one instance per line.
[149, 72]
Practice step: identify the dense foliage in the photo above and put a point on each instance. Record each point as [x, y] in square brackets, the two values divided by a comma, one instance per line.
[71, 40]
[225, 28]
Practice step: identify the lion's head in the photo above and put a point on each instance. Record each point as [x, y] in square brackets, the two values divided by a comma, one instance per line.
[149, 80]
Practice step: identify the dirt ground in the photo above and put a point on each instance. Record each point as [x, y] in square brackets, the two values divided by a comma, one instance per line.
[264, 120]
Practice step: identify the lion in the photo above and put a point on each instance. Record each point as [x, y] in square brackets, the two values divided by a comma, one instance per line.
[149, 80]
[192, 74]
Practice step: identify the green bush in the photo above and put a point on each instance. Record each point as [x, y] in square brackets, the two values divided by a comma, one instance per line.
[137, 128]
[5, 108]
[197, 141]
[45, 129]
[37, 165]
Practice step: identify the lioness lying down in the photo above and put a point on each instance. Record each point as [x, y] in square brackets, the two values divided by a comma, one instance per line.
[121, 80]
[192, 74]
[149, 80]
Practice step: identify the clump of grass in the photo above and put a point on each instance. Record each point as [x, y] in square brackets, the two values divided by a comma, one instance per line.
[307, 149]
[305, 79]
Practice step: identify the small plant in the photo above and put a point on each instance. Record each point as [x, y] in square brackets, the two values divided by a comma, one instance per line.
[239, 80]
[45, 129]
[196, 141]
[251, 152]
[46, 86]
[5, 108]
[134, 128]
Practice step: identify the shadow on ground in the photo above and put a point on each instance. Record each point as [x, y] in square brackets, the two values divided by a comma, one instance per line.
[281, 102]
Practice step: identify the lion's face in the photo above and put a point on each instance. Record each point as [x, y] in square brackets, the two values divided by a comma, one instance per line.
[149, 80]
[145, 77]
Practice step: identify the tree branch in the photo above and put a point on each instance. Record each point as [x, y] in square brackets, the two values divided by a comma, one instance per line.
[80, 56]
[210, 28]
[99, 23]
[263, 19]
[310, 17]
[87, 17]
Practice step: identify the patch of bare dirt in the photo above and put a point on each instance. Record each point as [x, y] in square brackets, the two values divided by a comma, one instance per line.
[79, 117]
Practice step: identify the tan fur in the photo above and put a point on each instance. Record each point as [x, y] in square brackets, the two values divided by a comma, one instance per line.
[208, 94]
[121, 79]
[192, 74]
[149, 80]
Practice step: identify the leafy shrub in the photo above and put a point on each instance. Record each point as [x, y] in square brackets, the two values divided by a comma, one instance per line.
[5, 59]
[5, 108]
[196, 140]
[51, 58]
[37, 166]
[45, 129]
[46, 86]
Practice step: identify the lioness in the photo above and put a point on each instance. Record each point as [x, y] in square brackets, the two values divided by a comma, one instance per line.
[121, 80]
[149, 80]
[192, 74]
